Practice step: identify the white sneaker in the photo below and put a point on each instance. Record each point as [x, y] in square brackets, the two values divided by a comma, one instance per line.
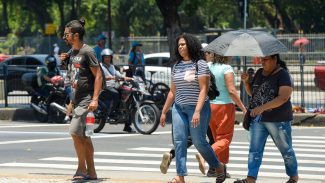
[165, 162]
[201, 161]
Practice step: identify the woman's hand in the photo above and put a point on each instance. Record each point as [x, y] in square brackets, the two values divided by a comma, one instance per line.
[244, 77]
[257, 111]
[162, 120]
[196, 119]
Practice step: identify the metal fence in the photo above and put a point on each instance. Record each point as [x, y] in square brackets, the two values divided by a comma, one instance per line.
[305, 94]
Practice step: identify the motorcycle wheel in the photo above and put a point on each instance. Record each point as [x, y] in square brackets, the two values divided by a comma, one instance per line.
[40, 116]
[151, 119]
[100, 117]
[159, 93]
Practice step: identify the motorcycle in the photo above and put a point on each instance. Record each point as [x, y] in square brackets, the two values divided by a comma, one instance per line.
[135, 105]
[50, 106]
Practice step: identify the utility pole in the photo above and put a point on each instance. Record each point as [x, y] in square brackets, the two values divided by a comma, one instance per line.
[109, 30]
[245, 13]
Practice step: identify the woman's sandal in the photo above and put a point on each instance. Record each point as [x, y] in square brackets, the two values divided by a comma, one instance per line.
[291, 181]
[221, 177]
[173, 181]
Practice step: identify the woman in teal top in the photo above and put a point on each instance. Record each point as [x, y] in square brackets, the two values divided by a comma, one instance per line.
[223, 107]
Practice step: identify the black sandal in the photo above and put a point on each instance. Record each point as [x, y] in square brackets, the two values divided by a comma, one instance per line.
[291, 181]
[241, 181]
[221, 177]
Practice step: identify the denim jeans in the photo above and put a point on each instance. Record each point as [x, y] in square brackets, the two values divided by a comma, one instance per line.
[182, 127]
[280, 133]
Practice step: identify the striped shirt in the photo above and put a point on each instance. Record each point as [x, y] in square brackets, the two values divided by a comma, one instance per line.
[185, 77]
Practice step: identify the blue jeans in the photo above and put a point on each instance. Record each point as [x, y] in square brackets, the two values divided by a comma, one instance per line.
[280, 133]
[182, 128]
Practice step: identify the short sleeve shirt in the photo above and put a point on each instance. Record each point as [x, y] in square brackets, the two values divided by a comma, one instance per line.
[265, 89]
[185, 77]
[82, 78]
[219, 71]
[110, 71]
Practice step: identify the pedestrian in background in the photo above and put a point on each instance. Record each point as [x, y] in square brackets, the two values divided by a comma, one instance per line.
[271, 110]
[100, 45]
[223, 108]
[136, 60]
[87, 81]
[191, 109]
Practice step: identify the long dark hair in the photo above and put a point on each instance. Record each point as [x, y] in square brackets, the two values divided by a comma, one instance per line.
[193, 46]
[77, 26]
[280, 62]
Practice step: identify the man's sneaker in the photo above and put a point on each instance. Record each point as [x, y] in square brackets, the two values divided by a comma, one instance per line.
[201, 161]
[165, 162]
[212, 173]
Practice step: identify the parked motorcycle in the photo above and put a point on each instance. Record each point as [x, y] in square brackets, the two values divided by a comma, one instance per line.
[135, 105]
[47, 107]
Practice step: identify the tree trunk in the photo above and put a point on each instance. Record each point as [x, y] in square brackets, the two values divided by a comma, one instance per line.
[168, 9]
[73, 15]
[40, 10]
[4, 26]
[285, 20]
[62, 18]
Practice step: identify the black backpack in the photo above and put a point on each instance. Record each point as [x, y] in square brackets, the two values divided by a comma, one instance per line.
[213, 91]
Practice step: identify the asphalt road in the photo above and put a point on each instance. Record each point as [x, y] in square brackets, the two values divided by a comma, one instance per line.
[45, 151]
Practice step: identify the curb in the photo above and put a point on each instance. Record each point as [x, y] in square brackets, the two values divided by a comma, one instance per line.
[300, 119]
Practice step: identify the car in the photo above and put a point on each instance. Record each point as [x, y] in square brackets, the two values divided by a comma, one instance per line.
[320, 75]
[3, 57]
[19, 65]
[157, 65]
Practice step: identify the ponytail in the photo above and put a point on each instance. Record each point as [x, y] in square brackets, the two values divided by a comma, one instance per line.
[280, 62]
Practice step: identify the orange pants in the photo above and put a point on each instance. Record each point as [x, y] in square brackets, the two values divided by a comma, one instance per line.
[222, 128]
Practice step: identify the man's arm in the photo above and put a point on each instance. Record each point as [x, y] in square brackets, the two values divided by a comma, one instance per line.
[97, 87]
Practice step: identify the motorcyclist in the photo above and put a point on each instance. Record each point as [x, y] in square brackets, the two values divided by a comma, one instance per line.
[110, 94]
[44, 74]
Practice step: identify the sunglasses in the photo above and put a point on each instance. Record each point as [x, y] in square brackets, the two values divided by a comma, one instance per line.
[65, 35]
[208, 52]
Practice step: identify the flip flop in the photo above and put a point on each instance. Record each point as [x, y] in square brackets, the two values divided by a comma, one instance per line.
[79, 176]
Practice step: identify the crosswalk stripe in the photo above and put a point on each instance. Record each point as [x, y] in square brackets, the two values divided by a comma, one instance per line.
[121, 154]
[231, 152]
[272, 144]
[115, 161]
[189, 163]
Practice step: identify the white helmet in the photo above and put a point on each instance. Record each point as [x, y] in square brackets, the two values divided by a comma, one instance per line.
[106, 52]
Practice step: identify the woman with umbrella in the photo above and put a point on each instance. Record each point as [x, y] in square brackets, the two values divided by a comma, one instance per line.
[271, 110]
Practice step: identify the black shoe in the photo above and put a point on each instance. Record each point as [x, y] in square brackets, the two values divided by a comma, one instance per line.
[212, 173]
[128, 129]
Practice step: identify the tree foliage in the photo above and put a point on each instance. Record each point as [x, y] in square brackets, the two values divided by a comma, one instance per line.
[148, 17]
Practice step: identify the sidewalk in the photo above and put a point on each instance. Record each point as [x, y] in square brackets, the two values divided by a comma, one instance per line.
[125, 177]
[27, 114]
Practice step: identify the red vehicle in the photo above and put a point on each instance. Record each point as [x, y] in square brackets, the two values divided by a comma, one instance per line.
[3, 57]
[320, 76]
